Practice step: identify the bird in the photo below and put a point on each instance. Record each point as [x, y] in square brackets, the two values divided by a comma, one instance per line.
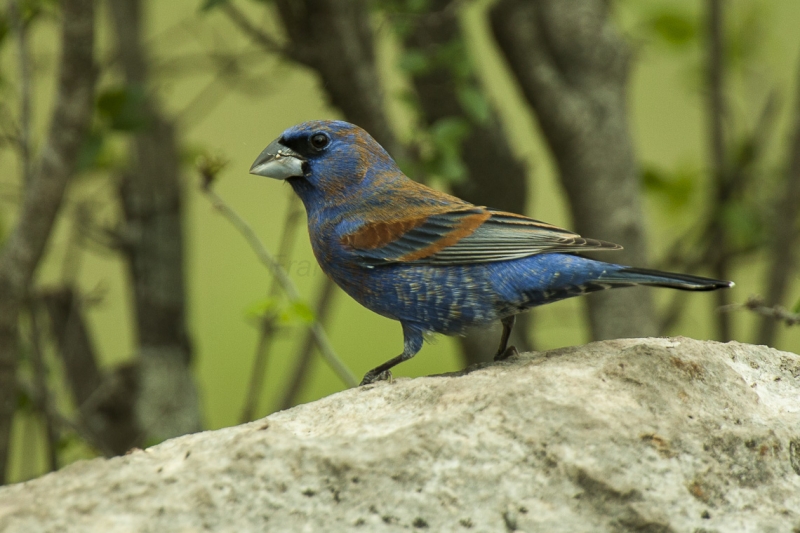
[430, 260]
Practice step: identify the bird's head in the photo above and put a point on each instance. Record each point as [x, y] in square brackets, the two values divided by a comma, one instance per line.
[323, 159]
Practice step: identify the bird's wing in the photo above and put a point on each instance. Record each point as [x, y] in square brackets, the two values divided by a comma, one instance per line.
[462, 236]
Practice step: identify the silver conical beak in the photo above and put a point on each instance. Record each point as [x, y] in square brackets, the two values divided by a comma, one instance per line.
[279, 162]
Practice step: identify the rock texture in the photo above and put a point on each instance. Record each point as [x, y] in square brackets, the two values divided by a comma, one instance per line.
[651, 435]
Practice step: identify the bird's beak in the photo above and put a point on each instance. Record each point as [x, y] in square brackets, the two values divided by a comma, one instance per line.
[279, 162]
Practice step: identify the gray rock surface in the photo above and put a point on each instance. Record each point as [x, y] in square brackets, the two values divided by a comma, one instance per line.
[652, 435]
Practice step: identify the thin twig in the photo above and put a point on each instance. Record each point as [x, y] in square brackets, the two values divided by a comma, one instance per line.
[721, 178]
[26, 91]
[288, 286]
[758, 306]
[260, 37]
[269, 326]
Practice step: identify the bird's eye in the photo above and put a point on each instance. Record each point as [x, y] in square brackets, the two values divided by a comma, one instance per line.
[319, 141]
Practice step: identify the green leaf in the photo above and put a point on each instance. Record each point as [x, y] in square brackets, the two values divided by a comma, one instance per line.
[745, 152]
[417, 6]
[32, 10]
[24, 402]
[286, 314]
[745, 40]
[676, 186]
[796, 307]
[410, 99]
[262, 308]
[673, 27]
[474, 103]
[67, 440]
[297, 311]
[447, 136]
[453, 55]
[4, 28]
[448, 132]
[90, 150]
[124, 108]
[98, 152]
[402, 26]
[743, 223]
[451, 168]
[415, 62]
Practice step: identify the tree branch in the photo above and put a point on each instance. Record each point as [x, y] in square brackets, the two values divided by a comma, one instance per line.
[327, 351]
[260, 37]
[73, 342]
[43, 194]
[269, 326]
[773, 313]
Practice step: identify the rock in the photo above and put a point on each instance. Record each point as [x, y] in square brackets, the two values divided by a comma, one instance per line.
[652, 435]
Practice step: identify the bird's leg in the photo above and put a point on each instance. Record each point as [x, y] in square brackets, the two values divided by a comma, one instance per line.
[504, 351]
[412, 343]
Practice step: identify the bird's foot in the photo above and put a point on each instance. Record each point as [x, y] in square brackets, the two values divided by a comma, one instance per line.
[505, 354]
[369, 377]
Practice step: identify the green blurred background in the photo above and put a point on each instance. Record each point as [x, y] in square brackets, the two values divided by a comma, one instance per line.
[225, 280]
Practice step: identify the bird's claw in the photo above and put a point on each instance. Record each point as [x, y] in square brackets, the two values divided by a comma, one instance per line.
[369, 377]
[511, 351]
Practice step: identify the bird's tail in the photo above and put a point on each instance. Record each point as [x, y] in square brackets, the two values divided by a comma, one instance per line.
[643, 276]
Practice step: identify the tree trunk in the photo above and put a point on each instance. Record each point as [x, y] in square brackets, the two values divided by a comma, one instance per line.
[152, 238]
[572, 67]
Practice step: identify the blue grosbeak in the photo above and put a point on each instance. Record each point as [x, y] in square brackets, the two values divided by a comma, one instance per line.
[430, 260]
